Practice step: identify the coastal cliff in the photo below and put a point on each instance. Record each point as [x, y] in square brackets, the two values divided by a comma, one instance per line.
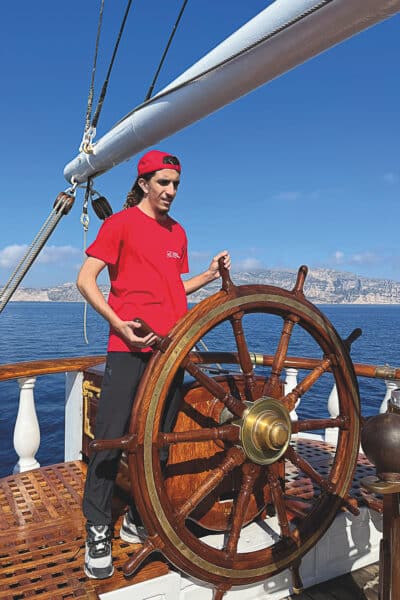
[323, 286]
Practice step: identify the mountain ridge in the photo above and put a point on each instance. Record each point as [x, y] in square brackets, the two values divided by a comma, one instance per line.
[322, 286]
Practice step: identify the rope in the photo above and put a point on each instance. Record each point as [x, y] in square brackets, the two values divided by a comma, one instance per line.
[85, 226]
[202, 343]
[227, 60]
[90, 128]
[171, 37]
[105, 84]
[61, 207]
[91, 88]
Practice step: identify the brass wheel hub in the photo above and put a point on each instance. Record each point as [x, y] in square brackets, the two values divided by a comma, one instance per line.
[265, 430]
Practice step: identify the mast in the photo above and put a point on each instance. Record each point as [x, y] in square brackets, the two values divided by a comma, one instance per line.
[282, 36]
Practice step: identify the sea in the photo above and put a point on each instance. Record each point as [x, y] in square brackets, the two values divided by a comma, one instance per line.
[44, 330]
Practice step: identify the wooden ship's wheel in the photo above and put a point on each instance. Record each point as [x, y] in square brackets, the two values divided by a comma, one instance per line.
[234, 444]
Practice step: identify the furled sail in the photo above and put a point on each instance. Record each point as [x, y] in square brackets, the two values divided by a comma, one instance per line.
[285, 34]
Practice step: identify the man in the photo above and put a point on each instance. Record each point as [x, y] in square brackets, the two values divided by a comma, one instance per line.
[145, 251]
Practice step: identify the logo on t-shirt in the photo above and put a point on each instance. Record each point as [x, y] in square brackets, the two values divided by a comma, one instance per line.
[173, 254]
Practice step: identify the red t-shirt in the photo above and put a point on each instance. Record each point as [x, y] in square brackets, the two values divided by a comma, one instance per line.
[145, 261]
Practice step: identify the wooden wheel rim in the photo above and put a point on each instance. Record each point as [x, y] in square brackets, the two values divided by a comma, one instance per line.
[185, 550]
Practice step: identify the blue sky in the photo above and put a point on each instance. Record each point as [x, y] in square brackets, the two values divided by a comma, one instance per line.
[304, 170]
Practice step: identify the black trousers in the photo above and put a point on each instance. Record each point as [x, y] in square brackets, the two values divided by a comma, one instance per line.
[121, 379]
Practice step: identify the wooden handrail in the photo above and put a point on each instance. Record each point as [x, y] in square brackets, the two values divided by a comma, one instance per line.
[34, 368]
[297, 362]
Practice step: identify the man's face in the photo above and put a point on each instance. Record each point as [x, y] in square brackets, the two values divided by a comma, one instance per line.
[161, 190]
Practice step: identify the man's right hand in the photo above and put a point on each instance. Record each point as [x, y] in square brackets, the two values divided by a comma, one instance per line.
[128, 330]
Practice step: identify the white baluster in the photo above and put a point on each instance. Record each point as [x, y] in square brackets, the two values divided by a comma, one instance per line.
[332, 433]
[26, 431]
[290, 384]
[391, 384]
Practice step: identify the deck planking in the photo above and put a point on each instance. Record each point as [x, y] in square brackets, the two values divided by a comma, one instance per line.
[42, 539]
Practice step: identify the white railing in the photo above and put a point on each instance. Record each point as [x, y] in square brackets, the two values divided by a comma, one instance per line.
[27, 430]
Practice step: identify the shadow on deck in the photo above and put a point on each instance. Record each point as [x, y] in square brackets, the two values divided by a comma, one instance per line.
[358, 585]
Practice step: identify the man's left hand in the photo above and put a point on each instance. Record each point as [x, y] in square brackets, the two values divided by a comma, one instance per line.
[214, 266]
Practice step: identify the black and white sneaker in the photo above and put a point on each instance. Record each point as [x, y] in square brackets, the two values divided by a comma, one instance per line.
[98, 559]
[130, 532]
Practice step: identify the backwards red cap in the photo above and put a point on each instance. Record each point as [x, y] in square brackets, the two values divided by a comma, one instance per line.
[156, 160]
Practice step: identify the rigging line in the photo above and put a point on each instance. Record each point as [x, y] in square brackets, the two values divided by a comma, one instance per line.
[202, 343]
[28, 250]
[62, 207]
[43, 231]
[106, 81]
[85, 226]
[227, 60]
[96, 52]
[171, 37]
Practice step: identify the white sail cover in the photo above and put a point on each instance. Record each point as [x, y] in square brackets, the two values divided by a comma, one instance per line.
[284, 35]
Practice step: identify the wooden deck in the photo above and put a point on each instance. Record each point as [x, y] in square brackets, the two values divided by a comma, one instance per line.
[42, 538]
[42, 541]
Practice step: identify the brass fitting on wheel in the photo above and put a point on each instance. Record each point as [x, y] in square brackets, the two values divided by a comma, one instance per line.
[265, 430]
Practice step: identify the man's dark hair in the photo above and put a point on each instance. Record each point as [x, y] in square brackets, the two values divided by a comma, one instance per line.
[136, 193]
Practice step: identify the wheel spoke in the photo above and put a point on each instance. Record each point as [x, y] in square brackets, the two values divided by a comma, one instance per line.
[233, 404]
[325, 484]
[278, 500]
[308, 469]
[308, 381]
[250, 474]
[209, 481]
[234, 458]
[299, 496]
[229, 433]
[313, 424]
[244, 355]
[272, 385]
